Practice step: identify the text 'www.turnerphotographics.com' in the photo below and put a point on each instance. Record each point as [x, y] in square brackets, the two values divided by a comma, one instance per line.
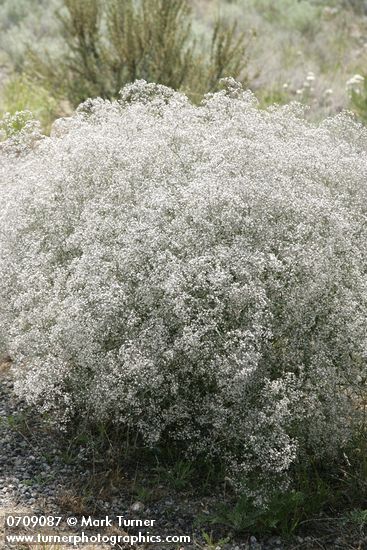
[72, 530]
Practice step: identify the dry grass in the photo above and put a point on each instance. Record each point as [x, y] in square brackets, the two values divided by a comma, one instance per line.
[5, 364]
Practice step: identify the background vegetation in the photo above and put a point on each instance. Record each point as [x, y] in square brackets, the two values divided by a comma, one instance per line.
[53, 54]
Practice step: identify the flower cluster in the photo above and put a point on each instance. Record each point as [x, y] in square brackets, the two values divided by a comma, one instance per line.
[355, 83]
[195, 274]
[19, 131]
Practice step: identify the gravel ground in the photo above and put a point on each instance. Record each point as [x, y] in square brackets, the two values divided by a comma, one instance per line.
[36, 478]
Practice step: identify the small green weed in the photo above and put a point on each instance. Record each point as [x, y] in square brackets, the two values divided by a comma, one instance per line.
[179, 475]
[18, 422]
[211, 543]
[357, 518]
[285, 512]
[37, 480]
[144, 494]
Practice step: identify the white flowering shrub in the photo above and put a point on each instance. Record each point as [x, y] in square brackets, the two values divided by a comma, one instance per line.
[19, 131]
[195, 274]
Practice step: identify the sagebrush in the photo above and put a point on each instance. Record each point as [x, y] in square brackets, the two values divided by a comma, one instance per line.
[193, 274]
[113, 43]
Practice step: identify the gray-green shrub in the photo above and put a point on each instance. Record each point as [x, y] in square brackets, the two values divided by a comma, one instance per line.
[195, 274]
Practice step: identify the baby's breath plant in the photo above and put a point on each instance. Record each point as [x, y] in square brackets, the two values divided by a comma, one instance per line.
[19, 132]
[192, 274]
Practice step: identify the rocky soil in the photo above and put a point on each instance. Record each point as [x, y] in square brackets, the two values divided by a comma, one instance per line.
[39, 476]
